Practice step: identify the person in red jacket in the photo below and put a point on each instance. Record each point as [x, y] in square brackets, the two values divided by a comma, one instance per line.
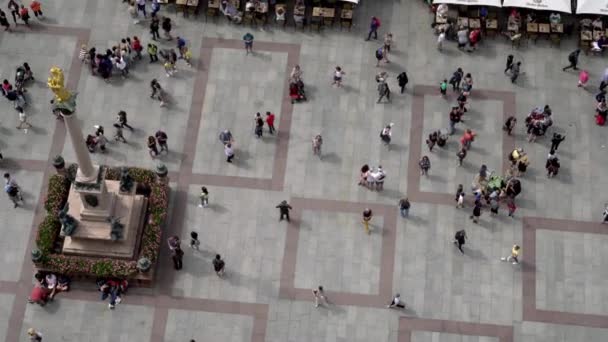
[25, 15]
[474, 38]
[270, 122]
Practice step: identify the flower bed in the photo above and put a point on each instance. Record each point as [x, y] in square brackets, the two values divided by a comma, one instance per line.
[48, 230]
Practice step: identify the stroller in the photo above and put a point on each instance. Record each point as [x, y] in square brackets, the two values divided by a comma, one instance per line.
[296, 91]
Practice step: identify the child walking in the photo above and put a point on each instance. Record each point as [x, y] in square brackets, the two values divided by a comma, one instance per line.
[443, 87]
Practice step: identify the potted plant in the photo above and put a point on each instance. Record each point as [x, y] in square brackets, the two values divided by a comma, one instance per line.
[36, 256]
[144, 264]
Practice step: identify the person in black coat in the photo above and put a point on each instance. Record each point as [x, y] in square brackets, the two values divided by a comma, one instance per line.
[284, 209]
[402, 79]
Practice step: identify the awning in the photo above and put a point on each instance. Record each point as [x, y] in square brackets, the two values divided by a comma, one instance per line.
[353, 1]
[592, 7]
[495, 3]
[543, 5]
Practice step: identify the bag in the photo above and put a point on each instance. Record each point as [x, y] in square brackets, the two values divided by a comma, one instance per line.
[12, 191]
[599, 120]
[379, 53]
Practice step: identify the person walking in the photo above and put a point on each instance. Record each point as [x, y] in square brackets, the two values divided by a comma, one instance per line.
[194, 242]
[259, 125]
[404, 207]
[514, 257]
[25, 15]
[383, 91]
[367, 216]
[36, 8]
[118, 136]
[219, 266]
[374, 25]
[34, 335]
[509, 124]
[605, 220]
[556, 140]
[432, 140]
[461, 154]
[573, 60]
[122, 120]
[511, 207]
[166, 26]
[476, 212]
[229, 152]
[13, 190]
[509, 65]
[152, 149]
[270, 122]
[204, 196]
[459, 239]
[456, 79]
[379, 55]
[23, 123]
[13, 7]
[380, 176]
[494, 206]
[396, 302]
[386, 135]
[319, 296]
[154, 27]
[101, 141]
[338, 74]
[284, 209]
[317, 142]
[4, 21]
[459, 196]
[425, 165]
[455, 118]
[161, 138]
[177, 257]
[248, 40]
[515, 71]
[157, 92]
[403, 80]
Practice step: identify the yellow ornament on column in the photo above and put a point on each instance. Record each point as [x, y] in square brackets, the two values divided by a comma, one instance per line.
[56, 84]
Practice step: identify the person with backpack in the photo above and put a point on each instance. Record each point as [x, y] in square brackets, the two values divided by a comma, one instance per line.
[317, 142]
[573, 60]
[402, 79]
[459, 239]
[379, 55]
[12, 189]
[204, 196]
[556, 140]
[14, 8]
[456, 78]
[36, 8]
[374, 25]
[248, 40]
[509, 65]
[34, 335]
[153, 52]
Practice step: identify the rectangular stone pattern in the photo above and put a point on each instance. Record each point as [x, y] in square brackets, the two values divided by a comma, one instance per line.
[200, 326]
[334, 251]
[238, 86]
[89, 321]
[245, 234]
[571, 273]
[427, 336]
[41, 52]
[485, 118]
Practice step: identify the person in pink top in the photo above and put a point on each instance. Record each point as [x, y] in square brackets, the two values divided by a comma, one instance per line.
[583, 77]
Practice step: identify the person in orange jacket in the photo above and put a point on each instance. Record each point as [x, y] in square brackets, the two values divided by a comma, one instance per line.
[36, 8]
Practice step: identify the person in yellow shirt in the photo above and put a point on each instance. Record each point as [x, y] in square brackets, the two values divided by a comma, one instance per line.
[514, 257]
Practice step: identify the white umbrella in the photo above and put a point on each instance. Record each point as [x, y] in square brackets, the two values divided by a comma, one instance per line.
[495, 3]
[592, 7]
[546, 5]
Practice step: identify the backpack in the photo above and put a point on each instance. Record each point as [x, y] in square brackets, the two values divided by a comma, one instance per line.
[12, 191]
[572, 57]
[599, 120]
[379, 53]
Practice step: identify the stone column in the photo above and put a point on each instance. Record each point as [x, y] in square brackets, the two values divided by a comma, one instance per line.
[86, 171]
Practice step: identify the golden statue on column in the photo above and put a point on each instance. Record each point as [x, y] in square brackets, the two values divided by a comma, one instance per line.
[64, 101]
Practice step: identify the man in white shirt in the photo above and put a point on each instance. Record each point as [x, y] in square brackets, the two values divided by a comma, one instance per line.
[396, 302]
